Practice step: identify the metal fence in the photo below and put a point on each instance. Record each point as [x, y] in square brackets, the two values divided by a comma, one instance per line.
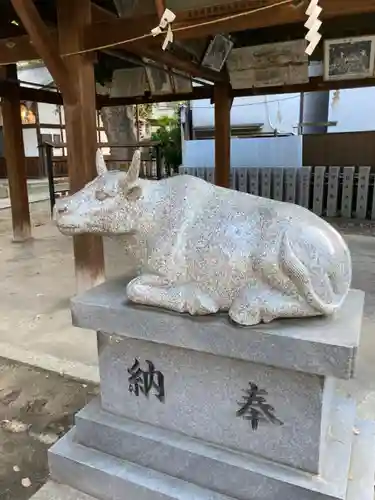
[346, 192]
[152, 166]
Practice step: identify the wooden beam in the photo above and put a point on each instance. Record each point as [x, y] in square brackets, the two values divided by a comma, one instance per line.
[204, 92]
[223, 103]
[16, 49]
[20, 48]
[15, 159]
[316, 84]
[165, 57]
[29, 93]
[45, 46]
[126, 29]
[160, 8]
[80, 120]
[175, 62]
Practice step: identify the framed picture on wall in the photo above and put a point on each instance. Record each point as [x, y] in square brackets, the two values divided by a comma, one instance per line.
[349, 58]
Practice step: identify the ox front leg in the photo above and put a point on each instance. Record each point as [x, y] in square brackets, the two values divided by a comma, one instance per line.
[158, 291]
[257, 304]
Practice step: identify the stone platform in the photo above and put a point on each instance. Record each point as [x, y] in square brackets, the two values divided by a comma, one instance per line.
[197, 408]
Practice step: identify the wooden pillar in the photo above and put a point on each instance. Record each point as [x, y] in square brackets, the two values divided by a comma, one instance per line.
[80, 123]
[223, 104]
[15, 158]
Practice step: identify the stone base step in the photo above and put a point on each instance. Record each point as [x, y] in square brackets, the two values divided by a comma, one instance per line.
[56, 491]
[197, 470]
[108, 478]
[217, 468]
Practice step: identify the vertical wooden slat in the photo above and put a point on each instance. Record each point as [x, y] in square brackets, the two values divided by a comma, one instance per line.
[210, 175]
[290, 185]
[200, 172]
[265, 182]
[373, 198]
[253, 174]
[318, 190]
[15, 159]
[362, 192]
[332, 193]
[303, 186]
[242, 179]
[347, 192]
[223, 103]
[232, 179]
[277, 183]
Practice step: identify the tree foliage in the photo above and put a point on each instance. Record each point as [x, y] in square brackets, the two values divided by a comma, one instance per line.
[168, 135]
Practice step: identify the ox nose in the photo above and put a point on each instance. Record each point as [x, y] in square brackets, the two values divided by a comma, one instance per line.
[59, 209]
[62, 209]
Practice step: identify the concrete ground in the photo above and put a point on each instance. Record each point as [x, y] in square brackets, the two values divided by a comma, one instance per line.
[38, 281]
[36, 409]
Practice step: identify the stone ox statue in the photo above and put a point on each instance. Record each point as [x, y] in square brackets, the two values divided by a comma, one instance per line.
[212, 249]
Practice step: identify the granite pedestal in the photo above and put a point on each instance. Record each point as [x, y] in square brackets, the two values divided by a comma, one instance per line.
[197, 408]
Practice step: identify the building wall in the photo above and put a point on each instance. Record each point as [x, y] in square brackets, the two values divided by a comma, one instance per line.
[251, 152]
[353, 109]
[279, 112]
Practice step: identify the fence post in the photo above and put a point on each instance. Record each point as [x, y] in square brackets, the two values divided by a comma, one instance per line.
[347, 192]
[158, 162]
[362, 192]
[318, 190]
[51, 183]
[303, 191]
[333, 185]
[265, 182]
[290, 184]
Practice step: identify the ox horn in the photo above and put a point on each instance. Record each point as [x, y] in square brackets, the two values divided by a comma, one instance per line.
[101, 167]
[133, 172]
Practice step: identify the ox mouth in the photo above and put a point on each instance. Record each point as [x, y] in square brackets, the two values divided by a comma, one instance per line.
[68, 230]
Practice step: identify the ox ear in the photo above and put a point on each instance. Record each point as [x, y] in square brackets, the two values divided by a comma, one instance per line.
[133, 172]
[101, 167]
[131, 192]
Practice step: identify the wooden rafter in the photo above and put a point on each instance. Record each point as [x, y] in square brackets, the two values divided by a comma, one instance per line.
[175, 62]
[125, 29]
[45, 46]
[163, 57]
[30, 94]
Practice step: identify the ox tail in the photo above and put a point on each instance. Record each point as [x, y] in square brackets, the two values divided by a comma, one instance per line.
[318, 263]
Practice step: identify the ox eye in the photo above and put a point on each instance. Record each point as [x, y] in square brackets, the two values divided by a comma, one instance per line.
[101, 195]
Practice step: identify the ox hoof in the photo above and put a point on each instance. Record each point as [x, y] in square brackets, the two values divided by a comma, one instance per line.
[243, 316]
[201, 305]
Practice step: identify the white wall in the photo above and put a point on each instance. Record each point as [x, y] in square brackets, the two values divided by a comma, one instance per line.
[48, 113]
[276, 111]
[30, 142]
[252, 152]
[354, 110]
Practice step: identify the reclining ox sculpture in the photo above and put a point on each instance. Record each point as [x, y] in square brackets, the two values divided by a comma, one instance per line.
[212, 249]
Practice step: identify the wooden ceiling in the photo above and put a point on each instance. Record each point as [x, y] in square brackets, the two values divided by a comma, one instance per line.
[341, 18]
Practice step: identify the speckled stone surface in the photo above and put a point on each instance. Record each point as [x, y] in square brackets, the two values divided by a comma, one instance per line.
[324, 346]
[241, 478]
[209, 249]
[218, 468]
[203, 393]
[56, 491]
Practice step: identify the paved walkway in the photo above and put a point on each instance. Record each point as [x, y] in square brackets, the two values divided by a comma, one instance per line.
[38, 280]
